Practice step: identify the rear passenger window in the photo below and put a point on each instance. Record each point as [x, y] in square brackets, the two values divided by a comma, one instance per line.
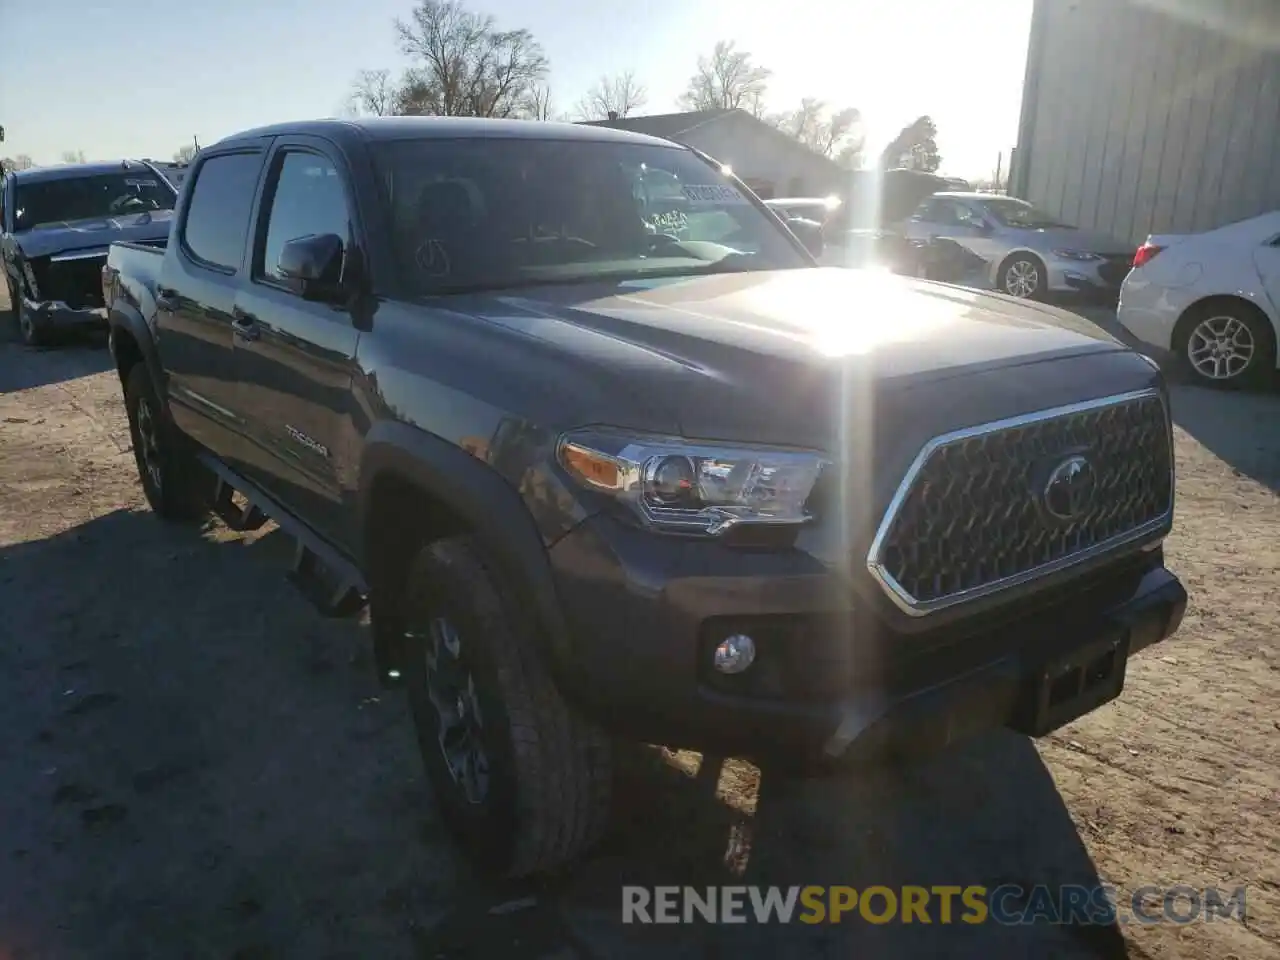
[217, 217]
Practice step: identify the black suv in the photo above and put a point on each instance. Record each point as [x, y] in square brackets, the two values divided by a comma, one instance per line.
[604, 471]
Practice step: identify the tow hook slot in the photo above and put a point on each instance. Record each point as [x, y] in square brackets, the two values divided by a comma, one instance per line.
[1082, 681]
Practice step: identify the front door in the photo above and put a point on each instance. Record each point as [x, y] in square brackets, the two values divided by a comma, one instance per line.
[295, 358]
[196, 296]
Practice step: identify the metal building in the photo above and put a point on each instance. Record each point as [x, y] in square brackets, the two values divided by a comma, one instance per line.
[1151, 116]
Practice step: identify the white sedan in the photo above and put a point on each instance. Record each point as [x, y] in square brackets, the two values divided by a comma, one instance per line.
[1212, 300]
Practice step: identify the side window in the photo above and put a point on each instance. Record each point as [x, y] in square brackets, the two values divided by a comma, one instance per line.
[306, 200]
[216, 222]
[930, 212]
[967, 216]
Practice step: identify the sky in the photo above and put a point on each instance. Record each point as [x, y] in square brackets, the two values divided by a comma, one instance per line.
[141, 78]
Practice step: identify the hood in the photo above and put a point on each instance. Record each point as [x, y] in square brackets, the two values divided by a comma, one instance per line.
[1073, 238]
[763, 348]
[820, 317]
[50, 238]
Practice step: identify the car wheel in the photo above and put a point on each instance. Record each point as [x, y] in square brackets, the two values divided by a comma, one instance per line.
[1023, 277]
[1226, 344]
[175, 484]
[522, 780]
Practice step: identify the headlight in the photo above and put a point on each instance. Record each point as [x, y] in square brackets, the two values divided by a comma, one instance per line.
[1076, 255]
[685, 486]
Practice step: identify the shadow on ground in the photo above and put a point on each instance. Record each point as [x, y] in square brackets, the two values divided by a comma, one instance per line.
[198, 765]
[75, 355]
[1242, 429]
[988, 815]
[195, 764]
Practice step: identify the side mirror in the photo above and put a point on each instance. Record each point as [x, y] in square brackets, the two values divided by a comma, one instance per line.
[809, 233]
[312, 266]
[983, 228]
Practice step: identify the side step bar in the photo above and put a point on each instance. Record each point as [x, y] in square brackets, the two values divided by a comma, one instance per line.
[325, 577]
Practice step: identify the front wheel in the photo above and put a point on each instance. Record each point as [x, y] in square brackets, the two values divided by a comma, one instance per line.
[1023, 277]
[33, 334]
[175, 484]
[522, 780]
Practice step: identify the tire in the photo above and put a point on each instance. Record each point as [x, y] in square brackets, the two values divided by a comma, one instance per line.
[1015, 273]
[538, 791]
[176, 486]
[1226, 344]
[31, 333]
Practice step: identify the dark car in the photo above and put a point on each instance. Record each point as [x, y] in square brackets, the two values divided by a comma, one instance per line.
[598, 475]
[55, 226]
[847, 245]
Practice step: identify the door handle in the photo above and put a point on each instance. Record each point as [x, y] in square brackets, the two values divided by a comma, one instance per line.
[244, 325]
[166, 298]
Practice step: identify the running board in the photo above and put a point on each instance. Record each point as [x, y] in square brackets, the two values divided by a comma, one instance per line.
[241, 519]
[330, 593]
[322, 574]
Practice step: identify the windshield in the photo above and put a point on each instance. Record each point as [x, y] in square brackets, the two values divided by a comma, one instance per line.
[486, 214]
[89, 198]
[1019, 213]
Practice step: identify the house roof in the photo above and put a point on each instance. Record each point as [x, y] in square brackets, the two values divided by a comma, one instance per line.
[669, 126]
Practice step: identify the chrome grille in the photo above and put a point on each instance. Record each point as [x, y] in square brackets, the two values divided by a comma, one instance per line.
[974, 513]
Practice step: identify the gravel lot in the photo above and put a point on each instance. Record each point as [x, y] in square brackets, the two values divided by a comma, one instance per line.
[194, 764]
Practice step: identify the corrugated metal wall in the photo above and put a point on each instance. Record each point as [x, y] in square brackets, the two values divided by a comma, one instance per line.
[1137, 121]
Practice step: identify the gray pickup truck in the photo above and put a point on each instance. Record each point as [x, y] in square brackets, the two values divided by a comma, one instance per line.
[601, 473]
[55, 226]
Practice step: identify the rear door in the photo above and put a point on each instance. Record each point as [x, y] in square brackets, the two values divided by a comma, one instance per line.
[295, 358]
[203, 267]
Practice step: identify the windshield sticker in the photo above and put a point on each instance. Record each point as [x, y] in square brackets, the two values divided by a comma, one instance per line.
[716, 194]
[672, 220]
[141, 183]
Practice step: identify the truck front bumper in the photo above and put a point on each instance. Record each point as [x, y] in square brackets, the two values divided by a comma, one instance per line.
[835, 680]
[58, 315]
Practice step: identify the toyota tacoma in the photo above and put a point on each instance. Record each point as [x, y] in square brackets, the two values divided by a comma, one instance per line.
[600, 473]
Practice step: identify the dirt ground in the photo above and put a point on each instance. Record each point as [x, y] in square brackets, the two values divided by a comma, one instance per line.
[194, 764]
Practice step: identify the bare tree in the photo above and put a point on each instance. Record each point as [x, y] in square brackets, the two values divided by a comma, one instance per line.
[185, 153]
[727, 80]
[73, 156]
[21, 162]
[538, 105]
[466, 65]
[612, 97]
[837, 134]
[373, 92]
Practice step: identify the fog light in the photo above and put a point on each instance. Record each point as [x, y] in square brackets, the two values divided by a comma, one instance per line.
[734, 654]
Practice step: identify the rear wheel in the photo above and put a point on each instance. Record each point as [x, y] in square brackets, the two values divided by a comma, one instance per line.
[522, 779]
[175, 484]
[1226, 343]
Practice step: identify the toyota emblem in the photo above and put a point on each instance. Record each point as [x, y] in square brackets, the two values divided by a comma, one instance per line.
[1068, 493]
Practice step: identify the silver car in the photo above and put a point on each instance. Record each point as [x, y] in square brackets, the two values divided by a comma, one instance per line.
[1028, 253]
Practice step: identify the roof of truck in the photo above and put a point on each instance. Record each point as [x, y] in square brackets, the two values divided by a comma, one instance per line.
[416, 128]
[72, 171]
